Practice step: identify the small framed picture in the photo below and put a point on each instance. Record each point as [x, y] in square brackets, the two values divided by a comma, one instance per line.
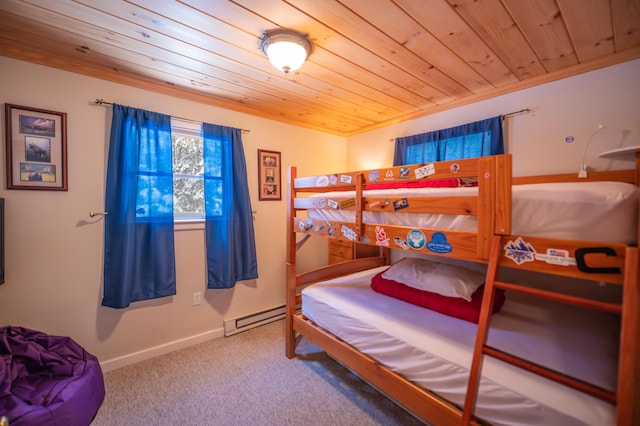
[36, 148]
[269, 176]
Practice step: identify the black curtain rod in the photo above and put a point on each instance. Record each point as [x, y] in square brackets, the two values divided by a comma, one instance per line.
[99, 101]
[516, 112]
[522, 111]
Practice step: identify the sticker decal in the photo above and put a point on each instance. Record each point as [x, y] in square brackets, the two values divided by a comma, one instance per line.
[322, 203]
[439, 243]
[401, 243]
[333, 204]
[348, 203]
[305, 226]
[348, 233]
[405, 172]
[556, 257]
[416, 239]
[333, 179]
[455, 168]
[345, 178]
[375, 203]
[424, 171]
[381, 237]
[389, 175]
[374, 176]
[400, 204]
[322, 181]
[519, 251]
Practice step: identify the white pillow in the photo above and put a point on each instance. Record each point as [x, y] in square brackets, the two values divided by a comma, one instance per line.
[441, 278]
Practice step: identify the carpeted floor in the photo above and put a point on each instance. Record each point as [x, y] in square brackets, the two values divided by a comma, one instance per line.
[244, 380]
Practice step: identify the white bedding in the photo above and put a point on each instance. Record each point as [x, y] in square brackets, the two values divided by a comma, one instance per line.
[588, 211]
[435, 350]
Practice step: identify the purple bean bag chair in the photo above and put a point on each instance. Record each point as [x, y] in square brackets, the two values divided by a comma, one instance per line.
[47, 380]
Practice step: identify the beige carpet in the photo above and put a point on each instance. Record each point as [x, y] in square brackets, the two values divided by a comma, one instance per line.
[244, 380]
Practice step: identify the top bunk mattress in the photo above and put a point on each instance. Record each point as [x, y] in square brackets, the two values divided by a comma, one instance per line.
[435, 351]
[587, 211]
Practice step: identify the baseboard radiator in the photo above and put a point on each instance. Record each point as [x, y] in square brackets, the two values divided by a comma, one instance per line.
[238, 325]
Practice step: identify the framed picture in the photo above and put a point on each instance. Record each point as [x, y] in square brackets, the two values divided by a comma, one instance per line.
[36, 148]
[269, 180]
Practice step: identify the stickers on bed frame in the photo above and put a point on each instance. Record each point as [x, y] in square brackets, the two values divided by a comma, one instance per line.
[401, 242]
[349, 233]
[521, 252]
[420, 172]
[424, 171]
[416, 239]
[556, 257]
[381, 237]
[439, 243]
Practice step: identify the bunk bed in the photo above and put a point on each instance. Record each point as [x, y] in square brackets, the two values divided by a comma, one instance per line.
[503, 365]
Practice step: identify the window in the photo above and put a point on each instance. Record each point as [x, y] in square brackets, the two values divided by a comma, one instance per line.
[139, 249]
[466, 141]
[188, 169]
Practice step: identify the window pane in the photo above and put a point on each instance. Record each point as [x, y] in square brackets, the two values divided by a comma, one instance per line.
[188, 194]
[215, 188]
[188, 169]
[151, 201]
[188, 154]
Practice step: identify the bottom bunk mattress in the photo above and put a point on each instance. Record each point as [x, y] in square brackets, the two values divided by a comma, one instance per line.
[435, 350]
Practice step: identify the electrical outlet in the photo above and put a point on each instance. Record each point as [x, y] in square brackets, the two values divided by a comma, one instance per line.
[197, 298]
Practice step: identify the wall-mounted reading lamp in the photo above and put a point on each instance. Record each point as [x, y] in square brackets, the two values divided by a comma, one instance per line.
[582, 174]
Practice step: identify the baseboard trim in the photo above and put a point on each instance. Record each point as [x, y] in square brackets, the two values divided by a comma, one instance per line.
[119, 362]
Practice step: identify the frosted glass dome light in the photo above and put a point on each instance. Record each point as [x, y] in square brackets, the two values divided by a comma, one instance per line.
[286, 49]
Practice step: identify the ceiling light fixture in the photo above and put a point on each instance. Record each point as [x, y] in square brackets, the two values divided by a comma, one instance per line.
[286, 49]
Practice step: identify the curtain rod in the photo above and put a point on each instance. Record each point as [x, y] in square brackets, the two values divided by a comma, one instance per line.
[100, 101]
[516, 112]
[503, 117]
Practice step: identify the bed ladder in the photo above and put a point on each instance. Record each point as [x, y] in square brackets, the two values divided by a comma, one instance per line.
[627, 346]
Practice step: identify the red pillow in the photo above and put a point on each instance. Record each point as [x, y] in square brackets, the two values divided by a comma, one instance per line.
[452, 306]
[427, 183]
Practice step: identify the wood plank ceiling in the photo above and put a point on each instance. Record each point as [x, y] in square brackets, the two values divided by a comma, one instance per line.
[375, 62]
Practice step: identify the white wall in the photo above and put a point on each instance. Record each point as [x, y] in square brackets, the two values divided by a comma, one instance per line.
[53, 263]
[571, 107]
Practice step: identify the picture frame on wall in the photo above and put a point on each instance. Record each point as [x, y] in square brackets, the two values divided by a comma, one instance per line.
[36, 148]
[269, 175]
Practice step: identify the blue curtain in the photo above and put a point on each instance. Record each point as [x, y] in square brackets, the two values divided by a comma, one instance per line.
[231, 248]
[471, 140]
[139, 255]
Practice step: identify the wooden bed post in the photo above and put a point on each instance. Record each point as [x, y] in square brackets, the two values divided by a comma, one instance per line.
[486, 203]
[629, 364]
[290, 290]
[359, 206]
[503, 195]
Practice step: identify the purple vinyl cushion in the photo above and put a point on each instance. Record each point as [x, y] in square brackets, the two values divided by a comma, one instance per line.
[46, 380]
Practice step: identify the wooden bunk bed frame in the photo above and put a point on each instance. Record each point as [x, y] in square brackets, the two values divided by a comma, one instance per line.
[616, 264]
